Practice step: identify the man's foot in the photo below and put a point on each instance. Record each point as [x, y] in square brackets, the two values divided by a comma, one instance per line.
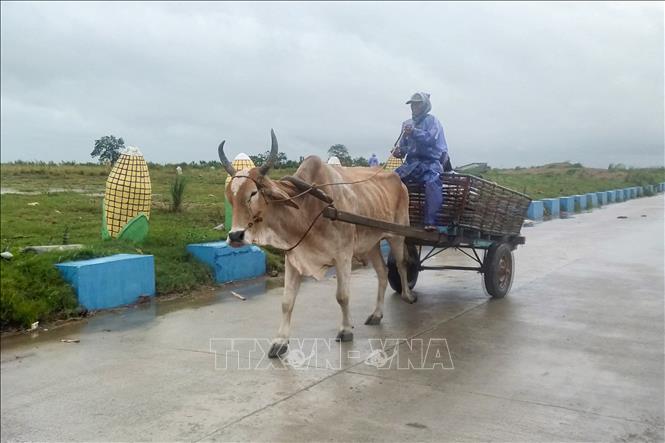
[431, 228]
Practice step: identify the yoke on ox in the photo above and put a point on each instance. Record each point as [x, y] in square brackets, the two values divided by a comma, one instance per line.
[282, 214]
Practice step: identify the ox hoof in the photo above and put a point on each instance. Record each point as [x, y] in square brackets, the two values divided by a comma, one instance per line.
[373, 320]
[413, 298]
[344, 336]
[277, 350]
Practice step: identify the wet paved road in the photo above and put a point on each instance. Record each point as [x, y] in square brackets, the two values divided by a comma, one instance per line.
[575, 352]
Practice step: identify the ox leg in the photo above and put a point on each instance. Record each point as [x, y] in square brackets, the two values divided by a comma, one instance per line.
[292, 279]
[398, 249]
[343, 265]
[379, 265]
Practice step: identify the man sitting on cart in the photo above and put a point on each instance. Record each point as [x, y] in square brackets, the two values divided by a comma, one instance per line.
[424, 144]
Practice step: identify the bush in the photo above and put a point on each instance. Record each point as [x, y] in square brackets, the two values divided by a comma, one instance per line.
[177, 193]
[644, 177]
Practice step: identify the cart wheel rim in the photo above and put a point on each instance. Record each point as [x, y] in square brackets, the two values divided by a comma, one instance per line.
[505, 272]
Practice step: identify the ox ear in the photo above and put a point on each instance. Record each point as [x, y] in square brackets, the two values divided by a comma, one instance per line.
[277, 195]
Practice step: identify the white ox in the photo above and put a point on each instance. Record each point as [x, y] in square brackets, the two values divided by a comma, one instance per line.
[265, 212]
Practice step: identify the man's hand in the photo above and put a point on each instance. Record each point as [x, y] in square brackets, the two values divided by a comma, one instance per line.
[408, 129]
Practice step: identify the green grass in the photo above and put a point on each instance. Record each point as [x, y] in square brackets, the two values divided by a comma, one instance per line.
[31, 288]
[565, 179]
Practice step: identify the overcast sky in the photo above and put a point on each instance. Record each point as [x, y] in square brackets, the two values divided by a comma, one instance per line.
[512, 83]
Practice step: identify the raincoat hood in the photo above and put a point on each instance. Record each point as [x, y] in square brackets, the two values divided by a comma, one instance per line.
[424, 98]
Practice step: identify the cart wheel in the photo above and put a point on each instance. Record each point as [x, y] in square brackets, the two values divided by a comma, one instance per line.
[499, 270]
[412, 269]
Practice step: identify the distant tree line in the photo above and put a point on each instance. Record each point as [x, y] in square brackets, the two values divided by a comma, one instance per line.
[342, 153]
[107, 150]
[282, 161]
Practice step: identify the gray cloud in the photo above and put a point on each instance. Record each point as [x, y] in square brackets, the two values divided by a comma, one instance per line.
[513, 83]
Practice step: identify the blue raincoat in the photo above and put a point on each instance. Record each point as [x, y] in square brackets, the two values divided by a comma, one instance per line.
[424, 148]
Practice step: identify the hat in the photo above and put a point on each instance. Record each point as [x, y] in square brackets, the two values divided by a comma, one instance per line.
[417, 97]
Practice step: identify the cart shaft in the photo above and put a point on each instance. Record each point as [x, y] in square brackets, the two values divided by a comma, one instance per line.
[406, 231]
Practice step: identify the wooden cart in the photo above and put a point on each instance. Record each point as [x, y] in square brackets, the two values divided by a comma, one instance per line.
[479, 218]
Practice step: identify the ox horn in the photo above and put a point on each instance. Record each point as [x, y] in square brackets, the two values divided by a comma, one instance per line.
[225, 161]
[273, 155]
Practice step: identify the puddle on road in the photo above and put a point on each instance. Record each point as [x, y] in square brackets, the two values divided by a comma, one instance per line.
[141, 315]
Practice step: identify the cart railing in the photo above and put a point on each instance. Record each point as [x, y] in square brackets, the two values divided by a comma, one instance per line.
[474, 203]
[474, 210]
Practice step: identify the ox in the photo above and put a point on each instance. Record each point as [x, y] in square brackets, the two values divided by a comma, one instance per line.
[278, 214]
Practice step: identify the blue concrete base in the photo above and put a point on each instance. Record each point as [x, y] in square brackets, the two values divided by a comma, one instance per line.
[567, 204]
[618, 195]
[385, 249]
[552, 206]
[535, 211]
[592, 200]
[626, 194]
[611, 196]
[602, 198]
[580, 202]
[230, 264]
[109, 282]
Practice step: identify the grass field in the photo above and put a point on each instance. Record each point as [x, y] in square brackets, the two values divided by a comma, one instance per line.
[69, 198]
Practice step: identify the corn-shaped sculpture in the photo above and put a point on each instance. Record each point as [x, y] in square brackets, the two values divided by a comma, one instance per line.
[127, 198]
[393, 163]
[242, 161]
[334, 161]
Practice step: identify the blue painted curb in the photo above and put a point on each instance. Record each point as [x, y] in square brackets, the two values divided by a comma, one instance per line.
[567, 204]
[230, 264]
[602, 198]
[580, 200]
[535, 211]
[109, 282]
[552, 206]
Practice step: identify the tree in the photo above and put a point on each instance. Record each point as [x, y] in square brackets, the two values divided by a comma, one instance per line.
[360, 161]
[108, 149]
[258, 159]
[341, 153]
[280, 162]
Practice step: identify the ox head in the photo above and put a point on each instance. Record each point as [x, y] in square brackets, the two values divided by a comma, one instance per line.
[253, 197]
